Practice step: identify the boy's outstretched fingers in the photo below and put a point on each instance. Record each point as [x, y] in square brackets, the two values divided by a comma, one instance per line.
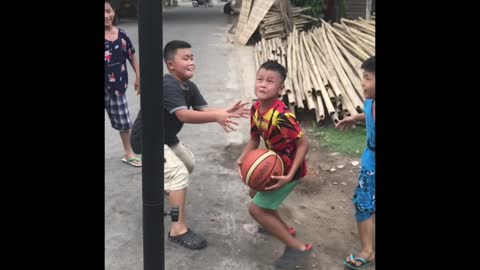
[339, 125]
[342, 125]
[227, 130]
[246, 113]
[239, 104]
[239, 109]
[228, 126]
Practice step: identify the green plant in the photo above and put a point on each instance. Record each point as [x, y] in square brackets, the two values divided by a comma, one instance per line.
[318, 9]
[351, 142]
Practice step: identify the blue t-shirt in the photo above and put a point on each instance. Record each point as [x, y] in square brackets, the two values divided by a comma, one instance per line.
[368, 156]
[116, 54]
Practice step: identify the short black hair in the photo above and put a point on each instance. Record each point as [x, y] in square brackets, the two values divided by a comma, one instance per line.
[172, 47]
[369, 64]
[275, 66]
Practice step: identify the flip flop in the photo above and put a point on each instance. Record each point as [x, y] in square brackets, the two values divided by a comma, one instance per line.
[135, 161]
[363, 263]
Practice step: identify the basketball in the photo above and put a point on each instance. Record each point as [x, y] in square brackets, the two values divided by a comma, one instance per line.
[258, 166]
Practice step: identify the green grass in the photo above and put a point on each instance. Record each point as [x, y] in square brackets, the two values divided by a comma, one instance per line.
[351, 142]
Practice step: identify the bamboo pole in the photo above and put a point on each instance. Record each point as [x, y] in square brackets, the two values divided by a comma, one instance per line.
[328, 68]
[353, 30]
[319, 84]
[331, 75]
[361, 27]
[318, 62]
[349, 32]
[256, 56]
[349, 90]
[353, 47]
[354, 80]
[319, 111]
[354, 62]
[290, 95]
[295, 75]
[335, 118]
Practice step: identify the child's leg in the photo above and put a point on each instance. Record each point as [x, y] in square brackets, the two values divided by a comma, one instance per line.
[185, 155]
[176, 182]
[117, 109]
[269, 219]
[365, 230]
[252, 194]
[277, 215]
[364, 201]
[125, 135]
[264, 210]
[177, 198]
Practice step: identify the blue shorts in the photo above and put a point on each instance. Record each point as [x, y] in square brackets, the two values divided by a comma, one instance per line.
[364, 196]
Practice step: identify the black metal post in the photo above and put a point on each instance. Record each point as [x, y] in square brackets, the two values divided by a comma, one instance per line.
[151, 100]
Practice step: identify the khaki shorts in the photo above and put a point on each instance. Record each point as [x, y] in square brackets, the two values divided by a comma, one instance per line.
[178, 166]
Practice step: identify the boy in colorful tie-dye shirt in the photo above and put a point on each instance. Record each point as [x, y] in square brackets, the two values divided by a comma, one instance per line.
[276, 124]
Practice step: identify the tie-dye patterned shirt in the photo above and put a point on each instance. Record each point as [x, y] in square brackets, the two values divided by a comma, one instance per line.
[116, 54]
[280, 130]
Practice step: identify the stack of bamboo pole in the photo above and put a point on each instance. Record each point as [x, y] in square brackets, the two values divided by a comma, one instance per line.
[324, 66]
[274, 24]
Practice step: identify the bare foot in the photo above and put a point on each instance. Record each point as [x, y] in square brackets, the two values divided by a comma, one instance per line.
[178, 229]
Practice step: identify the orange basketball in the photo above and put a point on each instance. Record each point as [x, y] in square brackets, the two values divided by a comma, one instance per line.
[258, 166]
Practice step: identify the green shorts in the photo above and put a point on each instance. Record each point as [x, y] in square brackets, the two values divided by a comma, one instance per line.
[272, 199]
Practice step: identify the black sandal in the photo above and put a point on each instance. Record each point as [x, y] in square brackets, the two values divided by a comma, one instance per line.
[189, 240]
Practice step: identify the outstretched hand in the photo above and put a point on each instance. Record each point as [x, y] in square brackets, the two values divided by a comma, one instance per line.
[239, 109]
[345, 123]
[225, 119]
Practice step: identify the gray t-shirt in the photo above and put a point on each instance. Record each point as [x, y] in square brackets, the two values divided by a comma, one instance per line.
[176, 97]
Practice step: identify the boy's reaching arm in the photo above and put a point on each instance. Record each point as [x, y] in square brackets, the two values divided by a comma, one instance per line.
[347, 122]
[302, 149]
[236, 108]
[224, 118]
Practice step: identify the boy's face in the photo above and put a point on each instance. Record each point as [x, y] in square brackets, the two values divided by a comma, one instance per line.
[368, 84]
[268, 84]
[182, 64]
[109, 14]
